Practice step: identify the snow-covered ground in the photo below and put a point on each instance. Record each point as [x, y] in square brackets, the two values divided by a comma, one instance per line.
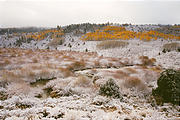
[85, 108]
[76, 78]
[133, 51]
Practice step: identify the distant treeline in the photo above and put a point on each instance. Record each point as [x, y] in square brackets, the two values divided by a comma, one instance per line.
[20, 30]
[84, 27]
[89, 27]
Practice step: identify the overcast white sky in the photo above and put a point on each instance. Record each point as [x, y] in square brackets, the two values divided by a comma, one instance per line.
[50, 13]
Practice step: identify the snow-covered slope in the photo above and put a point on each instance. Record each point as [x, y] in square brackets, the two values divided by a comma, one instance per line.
[41, 82]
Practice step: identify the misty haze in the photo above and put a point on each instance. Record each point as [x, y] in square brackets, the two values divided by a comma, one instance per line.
[49, 13]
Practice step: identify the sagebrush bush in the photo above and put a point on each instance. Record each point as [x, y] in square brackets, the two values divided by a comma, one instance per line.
[3, 95]
[23, 106]
[168, 86]
[110, 89]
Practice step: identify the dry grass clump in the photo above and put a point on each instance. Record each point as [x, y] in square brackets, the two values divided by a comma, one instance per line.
[18, 88]
[132, 81]
[111, 44]
[66, 72]
[22, 60]
[44, 73]
[45, 57]
[83, 81]
[56, 41]
[96, 63]
[28, 74]
[31, 75]
[93, 71]
[149, 76]
[92, 54]
[119, 74]
[10, 76]
[142, 67]
[135, 82]
[156, 69]
[114, 59]
[68, 58]
[131, 70]
[34, 60]
[110, 64]
[28, 52]
[122, 73]
[5, 62]
[171, 46]
[15, 82]
[145, 61]
[50, 65]
[77, 65]
[36, 66]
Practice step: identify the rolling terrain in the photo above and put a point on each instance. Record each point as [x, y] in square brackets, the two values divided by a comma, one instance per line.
[88, 72]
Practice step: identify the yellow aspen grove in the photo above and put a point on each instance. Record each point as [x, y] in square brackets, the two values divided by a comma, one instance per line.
[117, 32]
[43, 34]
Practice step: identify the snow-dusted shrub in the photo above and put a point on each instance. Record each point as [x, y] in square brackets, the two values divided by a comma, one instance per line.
[57, 89]
[110, 89]
[48, 90]
[178, 49]
[20, 41]
[61, 92]
[3, 95]
[3, 84]
[23, 106]
[51, 113]
[168, 86]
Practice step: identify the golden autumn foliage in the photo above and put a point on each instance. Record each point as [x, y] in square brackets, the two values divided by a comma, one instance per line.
[45, 33]
[117, 32]
[114, 29]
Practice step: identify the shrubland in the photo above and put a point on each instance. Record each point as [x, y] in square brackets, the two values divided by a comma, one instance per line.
[168, 89]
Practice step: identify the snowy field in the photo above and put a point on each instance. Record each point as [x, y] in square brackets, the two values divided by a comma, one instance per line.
[63, 83]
